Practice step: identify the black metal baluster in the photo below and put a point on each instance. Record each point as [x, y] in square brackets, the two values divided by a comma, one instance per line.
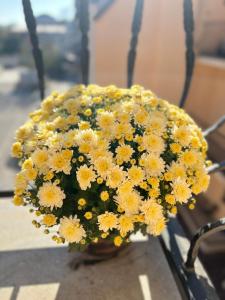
[37, 54]
[202, 233]
[136, 26]
[82, 7]
[191, 285]
[214, 127]
[216, 167]
[189, 42]
[6, 194]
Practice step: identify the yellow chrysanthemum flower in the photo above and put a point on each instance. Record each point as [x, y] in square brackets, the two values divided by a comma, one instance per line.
[124, 152]
[71, 229]
[107, 221]
[157, 227]
[203, 181]
[170, 199]
[141, 116]
[195, 142]
[156, 124]
[129, 202]
[98, 152]
[21, 180]
[85, 148]
[24, 131]
[122, 129]
[49, 220]
[183, 135]
[17, 200]
[154, 181]
[61, 161]
[50, 195]
[152, 211]
[136, 175]
[88, 215]
[87, 136]
[27, 164]
[82, 202]
[125, 187]
[16, 150]
[154, 193]
[177, 170]
[103, 165]
[153, 143]
[85, 176]
[153, 164]
[104, 196]
[31, 174]
[115, 177]
[189, 158]
[125, 224]
[106, 120]
[181, 190]
[118, 241]
[175, 148]
[84, 125]
[40, 157]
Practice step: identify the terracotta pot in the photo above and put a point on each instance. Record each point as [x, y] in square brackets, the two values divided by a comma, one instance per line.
[104, 249]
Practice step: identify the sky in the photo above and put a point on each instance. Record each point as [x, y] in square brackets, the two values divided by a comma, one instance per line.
[12, 11]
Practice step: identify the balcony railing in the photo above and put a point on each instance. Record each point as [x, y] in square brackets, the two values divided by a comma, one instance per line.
[190, 284]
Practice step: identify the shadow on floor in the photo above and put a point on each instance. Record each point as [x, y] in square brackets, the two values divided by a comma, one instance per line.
[119, 278]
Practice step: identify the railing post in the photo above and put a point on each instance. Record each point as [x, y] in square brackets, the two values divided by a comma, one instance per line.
[136, 26]
[189, 42]
[82, 7]
[37, 54]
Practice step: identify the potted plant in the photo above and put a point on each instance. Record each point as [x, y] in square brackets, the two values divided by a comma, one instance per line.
[100, 163]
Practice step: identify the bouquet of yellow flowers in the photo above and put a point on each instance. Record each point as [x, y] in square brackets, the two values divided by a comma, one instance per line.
[104, 162]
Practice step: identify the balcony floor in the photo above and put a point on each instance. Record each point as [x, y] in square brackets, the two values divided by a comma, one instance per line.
[34, 267]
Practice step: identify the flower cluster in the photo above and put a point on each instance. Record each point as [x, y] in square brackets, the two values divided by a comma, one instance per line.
[103, 162]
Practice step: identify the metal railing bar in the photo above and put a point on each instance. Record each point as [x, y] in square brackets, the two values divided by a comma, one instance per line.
[136, 27]
[189, 42]
[103, 9]
[176, 269]
[215, 126]
[37, 54]
[82, 7]
[216, 167]
[204, 232]
[190, 284]
[6, 194]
